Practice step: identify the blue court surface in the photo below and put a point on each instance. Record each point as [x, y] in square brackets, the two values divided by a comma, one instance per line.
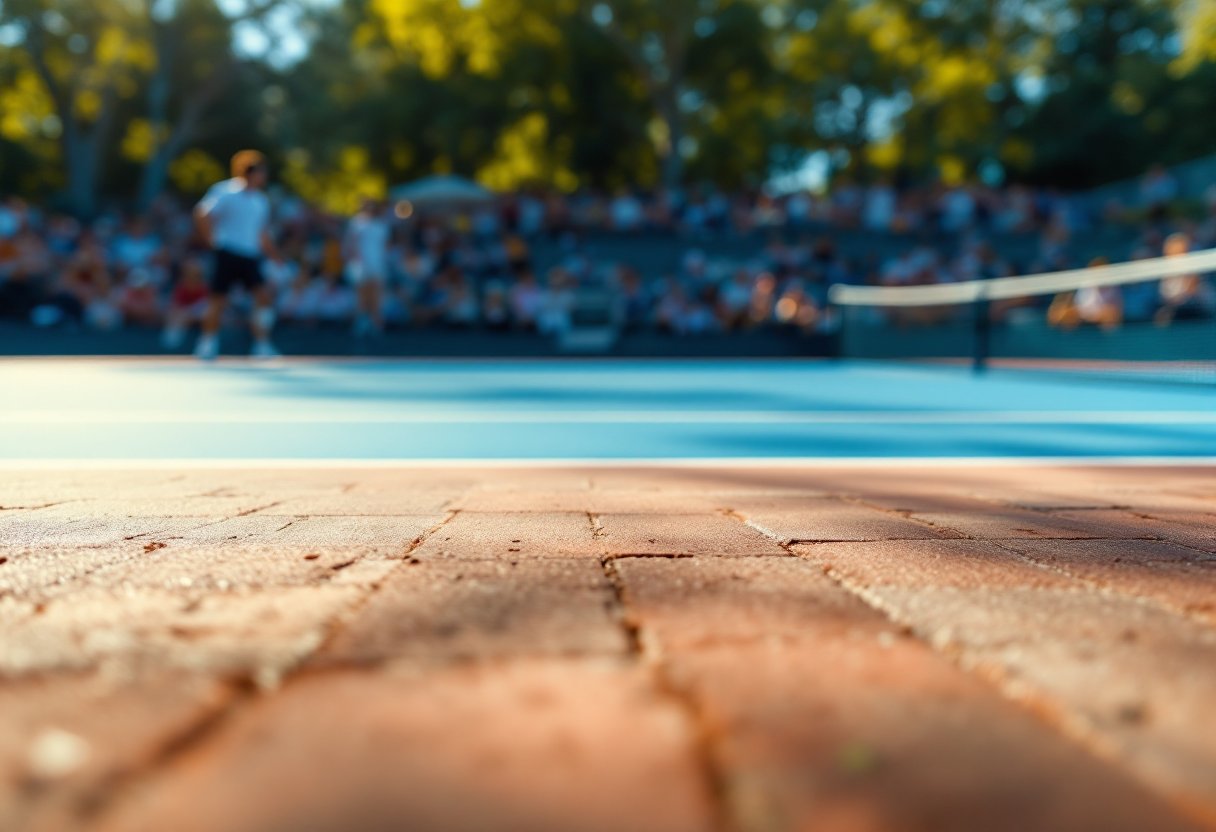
[77, 411]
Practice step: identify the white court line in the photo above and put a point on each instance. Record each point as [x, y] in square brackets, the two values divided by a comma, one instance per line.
[146, 417]
[574, 462]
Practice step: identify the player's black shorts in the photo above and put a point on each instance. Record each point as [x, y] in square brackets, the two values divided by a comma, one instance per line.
[235, 270]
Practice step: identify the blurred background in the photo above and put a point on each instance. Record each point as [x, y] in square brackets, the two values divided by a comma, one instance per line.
[626, 177]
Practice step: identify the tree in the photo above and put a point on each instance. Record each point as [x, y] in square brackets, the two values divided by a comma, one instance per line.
[121, 96]
[1118, 91]
[654, 36]
[95, 57]
[190, 42]
[86, 55]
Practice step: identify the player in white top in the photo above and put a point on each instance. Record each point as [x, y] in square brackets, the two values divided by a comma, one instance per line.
[365, 249]
[234, 218]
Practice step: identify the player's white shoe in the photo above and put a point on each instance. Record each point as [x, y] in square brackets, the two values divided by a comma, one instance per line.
[207, 348]
[264, 349]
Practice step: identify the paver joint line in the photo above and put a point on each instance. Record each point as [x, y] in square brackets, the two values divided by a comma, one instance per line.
[405, 560]
[1069, 722]
[1022, 597]
[646, 650]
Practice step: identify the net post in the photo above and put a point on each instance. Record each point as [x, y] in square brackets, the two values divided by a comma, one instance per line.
[983, 334]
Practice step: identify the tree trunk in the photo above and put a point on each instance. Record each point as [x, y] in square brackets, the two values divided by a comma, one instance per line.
[82, 157]
[81, 147]
[156, 169]
[155, 173]
[153, 178]
[673, 165]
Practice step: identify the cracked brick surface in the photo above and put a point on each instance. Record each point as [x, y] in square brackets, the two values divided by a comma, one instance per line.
[791, 519]
[111, 729]
[621, 648]
[512, 536]
[528, 747]
[843, 722]
[681, 535]
[444, 611]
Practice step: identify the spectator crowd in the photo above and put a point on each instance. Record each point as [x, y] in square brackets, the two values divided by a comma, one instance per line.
[744, 260]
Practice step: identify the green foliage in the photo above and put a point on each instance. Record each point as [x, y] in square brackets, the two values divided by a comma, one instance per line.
[602, 93]
[1116, 99]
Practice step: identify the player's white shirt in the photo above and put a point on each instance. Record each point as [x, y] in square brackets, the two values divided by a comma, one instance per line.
[238, 217]
[367, 241]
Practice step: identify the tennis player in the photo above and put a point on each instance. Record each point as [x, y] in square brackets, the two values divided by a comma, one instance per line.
[234, 219]
[366, 250]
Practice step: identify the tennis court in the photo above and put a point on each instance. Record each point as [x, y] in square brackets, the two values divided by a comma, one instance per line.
[141, 410]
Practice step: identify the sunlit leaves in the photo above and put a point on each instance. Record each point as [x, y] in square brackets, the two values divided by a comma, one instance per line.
[1198, 42]
[443, 35]
[195, 171]
[524, 156]
[25, 109]
[339, 186]
[141, 139]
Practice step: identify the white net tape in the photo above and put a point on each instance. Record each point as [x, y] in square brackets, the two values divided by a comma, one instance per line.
[1006, 288]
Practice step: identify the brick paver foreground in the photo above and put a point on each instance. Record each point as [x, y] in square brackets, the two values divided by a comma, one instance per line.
[621, 649]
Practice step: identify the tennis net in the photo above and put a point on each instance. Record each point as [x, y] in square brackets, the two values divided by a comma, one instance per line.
[1153, 319]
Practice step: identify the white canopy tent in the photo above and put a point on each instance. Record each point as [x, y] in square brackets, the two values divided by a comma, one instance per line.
[438, 191]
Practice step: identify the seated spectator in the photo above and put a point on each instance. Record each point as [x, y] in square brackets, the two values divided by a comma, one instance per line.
[187, 303]
[627, 213]
[700, 315]
[1017, 213]
[137, 299]
[495, 312]
[879, 211]
[525, 301]
[136, 247]
[335, 301]
[1141, 300]
[431, 301]
[767, 213]
[531, 221]
[796, 308]
[735, 300]
[484, 224]
[25, 269]
[763, 299]
[518, 255]
[398, 305]
[1100, 305]
[672, 302]
[12, 217]
[62, 235]
[280, 272]
[33, 257]
[84, 279]
[556, 305]
[1158, 189]
[846, 205]
[958, 210]
[694, 266]
[1184, 295]
[633, 300]
[299, 301]
[798, 209]
[463, 308]
[103, 311]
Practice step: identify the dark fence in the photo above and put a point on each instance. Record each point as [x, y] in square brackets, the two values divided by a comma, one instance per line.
[25, 340]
